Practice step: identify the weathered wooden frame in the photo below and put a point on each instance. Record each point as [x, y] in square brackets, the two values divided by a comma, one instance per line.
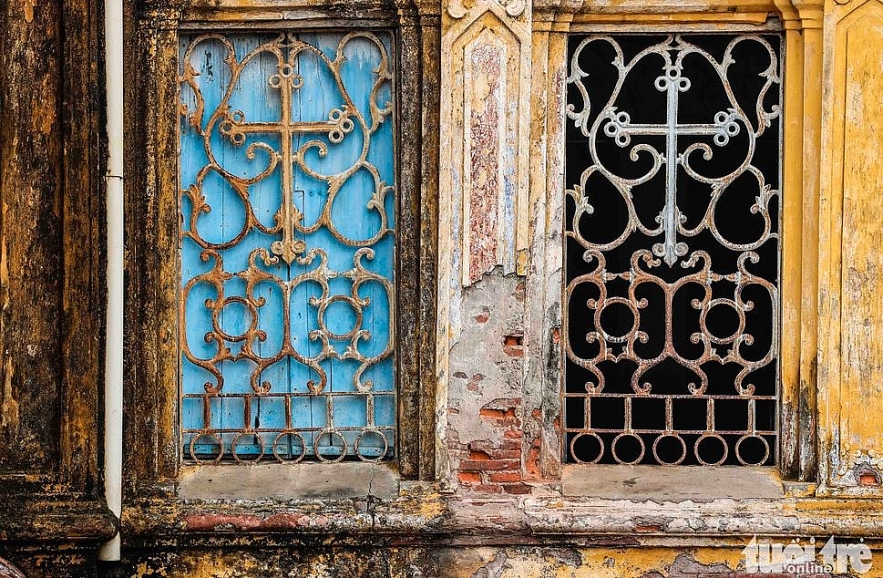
[52, 279]
[152, 461]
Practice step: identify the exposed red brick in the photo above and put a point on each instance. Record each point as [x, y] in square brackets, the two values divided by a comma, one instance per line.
[532, 462]
[498, 414]
[513, 345]
[469, 477]
[284, 520]
[473, 383]
[513, 351]
[488, 465]
[484, 450]
[513, 434]
[505, 477]
[868, 479]
[501, 410]
[482, 317]
[288, 520]
[479, 455]
[516, 489]
[647, 529]
[212, 521]
[556, 336]
[488, 489]
[504, 403]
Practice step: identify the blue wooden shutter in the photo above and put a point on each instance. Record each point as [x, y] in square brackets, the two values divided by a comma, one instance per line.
[287, 174]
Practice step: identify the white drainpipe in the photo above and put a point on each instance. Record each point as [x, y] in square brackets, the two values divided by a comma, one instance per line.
[113, 362]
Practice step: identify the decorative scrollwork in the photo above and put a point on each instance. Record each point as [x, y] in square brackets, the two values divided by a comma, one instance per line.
[460, 8]
[288, 137]
[686, 304]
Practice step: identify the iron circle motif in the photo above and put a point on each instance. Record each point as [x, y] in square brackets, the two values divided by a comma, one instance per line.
[252, 324]
[721, 305]
[289, 434]
[746, 437]
[698, 453]
[621, 437]
[251, 459]
[359, 438]
[357, 325]
[208, 435]
[600, 448]
[672, 435]
[331, 435]
[612, 302]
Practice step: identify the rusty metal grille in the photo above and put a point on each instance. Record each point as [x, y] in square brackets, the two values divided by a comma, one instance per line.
[287, 298]
[671, 328]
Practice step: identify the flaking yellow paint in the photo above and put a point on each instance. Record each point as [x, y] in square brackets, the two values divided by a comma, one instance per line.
[850, 258]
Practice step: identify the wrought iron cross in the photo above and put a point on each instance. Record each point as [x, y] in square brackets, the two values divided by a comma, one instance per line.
[621, 130]
[234, 126]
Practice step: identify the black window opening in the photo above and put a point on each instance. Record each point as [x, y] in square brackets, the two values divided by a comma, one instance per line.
[672, 252]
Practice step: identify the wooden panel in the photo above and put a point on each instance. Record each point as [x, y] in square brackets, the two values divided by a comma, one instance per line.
[51, 284]
[30, 258]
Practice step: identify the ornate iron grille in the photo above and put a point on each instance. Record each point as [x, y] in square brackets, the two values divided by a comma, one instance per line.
[671, 328]
[287, 246]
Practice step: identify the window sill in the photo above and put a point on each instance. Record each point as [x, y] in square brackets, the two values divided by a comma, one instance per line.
[39, 518]
[309, 481]
[665, 514]
[697, 484]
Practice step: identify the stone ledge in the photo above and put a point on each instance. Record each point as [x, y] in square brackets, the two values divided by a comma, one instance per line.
[50, 519]
[697, 484]
[309, 481]
[422, 514]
